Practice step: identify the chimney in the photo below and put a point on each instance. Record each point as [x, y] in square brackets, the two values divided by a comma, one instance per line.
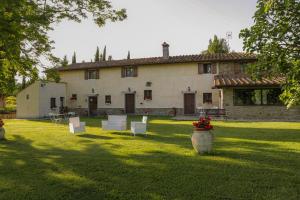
[165, 50]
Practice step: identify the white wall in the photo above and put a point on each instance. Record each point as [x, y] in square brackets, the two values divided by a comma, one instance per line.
[28, 108]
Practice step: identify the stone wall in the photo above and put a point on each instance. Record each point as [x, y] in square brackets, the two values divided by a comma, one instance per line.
[258, 112]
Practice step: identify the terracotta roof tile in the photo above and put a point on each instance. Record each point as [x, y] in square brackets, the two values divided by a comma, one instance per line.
[160, 60]
[221, 81]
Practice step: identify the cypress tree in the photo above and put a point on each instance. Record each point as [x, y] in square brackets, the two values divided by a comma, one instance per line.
[128, 55]
[97, 55]
[74, 58]
[104, 54]
[65, 61]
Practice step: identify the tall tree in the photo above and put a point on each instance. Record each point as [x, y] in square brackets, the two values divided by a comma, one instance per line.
[128, 55]
[276, 40]
[74, 58]
[65, 61]
[104, 54]
[24, 25]
[217, 45]
[97, 55]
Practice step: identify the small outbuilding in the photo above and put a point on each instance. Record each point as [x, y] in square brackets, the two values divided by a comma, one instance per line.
[41, 98]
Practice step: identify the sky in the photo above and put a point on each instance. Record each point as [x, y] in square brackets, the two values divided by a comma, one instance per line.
[186, 25]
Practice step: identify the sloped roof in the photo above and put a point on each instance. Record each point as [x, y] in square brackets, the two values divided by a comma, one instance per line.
[161, 60]
[221, 81]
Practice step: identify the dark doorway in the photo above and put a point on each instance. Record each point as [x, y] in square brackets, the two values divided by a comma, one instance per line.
[130, 103]
[93, 105]
[189, 103]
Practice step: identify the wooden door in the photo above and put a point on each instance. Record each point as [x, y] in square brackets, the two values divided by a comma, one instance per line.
[189, 104]
[130, 103]
[93, 105]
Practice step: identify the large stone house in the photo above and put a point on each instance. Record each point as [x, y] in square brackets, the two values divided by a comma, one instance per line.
[167, 84]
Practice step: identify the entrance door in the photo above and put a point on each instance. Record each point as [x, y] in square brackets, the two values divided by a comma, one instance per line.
[93, 105]
[130, 103]
[189, 103]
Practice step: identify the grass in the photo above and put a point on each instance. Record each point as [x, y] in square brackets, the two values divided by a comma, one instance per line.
[41, 160]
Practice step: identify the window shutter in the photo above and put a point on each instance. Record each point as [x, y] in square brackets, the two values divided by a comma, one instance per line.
[97, 74]
[123, 72]
[214, 68]
[86, 75]
[200, 68]
[135, 71]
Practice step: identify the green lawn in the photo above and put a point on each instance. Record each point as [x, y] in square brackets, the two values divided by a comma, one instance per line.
[40, 160]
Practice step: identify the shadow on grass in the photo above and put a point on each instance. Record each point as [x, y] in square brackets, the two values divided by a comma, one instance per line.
[95, 172]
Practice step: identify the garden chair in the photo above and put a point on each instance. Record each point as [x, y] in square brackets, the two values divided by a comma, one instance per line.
[75, 125]
[139, 127]
[115, 122]
[55, 118]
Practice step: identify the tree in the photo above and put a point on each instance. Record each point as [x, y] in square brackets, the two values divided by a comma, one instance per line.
[52, 74]
[275, 39]
[74, 58]
[128, 55]
[97, 55]
[104, 54]
[65, 61]
[24, 26]
[217, 45]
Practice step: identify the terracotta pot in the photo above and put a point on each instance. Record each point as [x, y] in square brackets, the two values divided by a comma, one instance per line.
[2, 133]
[202, 141]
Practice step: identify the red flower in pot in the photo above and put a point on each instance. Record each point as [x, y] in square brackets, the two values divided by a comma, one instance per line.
[203, 124]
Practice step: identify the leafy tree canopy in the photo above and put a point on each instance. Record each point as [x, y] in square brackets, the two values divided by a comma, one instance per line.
[217, 45]
[276, 40]
[24, 25]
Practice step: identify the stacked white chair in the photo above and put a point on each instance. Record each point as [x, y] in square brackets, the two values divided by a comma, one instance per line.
[115, 122]
[76, 126]
[139, 127]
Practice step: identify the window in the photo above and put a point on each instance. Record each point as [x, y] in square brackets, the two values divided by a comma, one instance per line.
[129, 72]
[53, 103]
[74, 97]
[107, 99]
[147, 94]
[62, 100]
[243, 67]
[207, 97]
[207, 68]
[27, 96]
[92, 74]
[244, 97]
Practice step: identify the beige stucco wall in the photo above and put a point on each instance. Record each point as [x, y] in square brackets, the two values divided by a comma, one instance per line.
[168, 84]
[257, 112]
[48, 91]
[38, 104]
[28, 108]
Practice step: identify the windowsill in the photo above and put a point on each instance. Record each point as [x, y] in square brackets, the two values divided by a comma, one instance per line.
[107, 104]
[147, 99]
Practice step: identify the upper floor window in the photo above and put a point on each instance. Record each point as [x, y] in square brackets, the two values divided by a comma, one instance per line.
[207, 68]
[74, 97]
[207, 97]
[147, 94]
[129, 72]
[91, 74]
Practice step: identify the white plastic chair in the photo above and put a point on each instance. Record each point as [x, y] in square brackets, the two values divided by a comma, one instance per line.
[76, 126]
[115, 122]
[139, 127]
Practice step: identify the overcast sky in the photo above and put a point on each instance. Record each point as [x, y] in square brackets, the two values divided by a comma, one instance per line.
[186, 25]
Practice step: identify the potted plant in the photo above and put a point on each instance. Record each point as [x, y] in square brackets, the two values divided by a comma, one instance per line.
[202, 137]
[2, 131]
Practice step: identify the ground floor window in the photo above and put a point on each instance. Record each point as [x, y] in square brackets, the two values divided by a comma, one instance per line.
[147, 94]
[107, 99]
[53, 103]
[268, 96]
[207, 97]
